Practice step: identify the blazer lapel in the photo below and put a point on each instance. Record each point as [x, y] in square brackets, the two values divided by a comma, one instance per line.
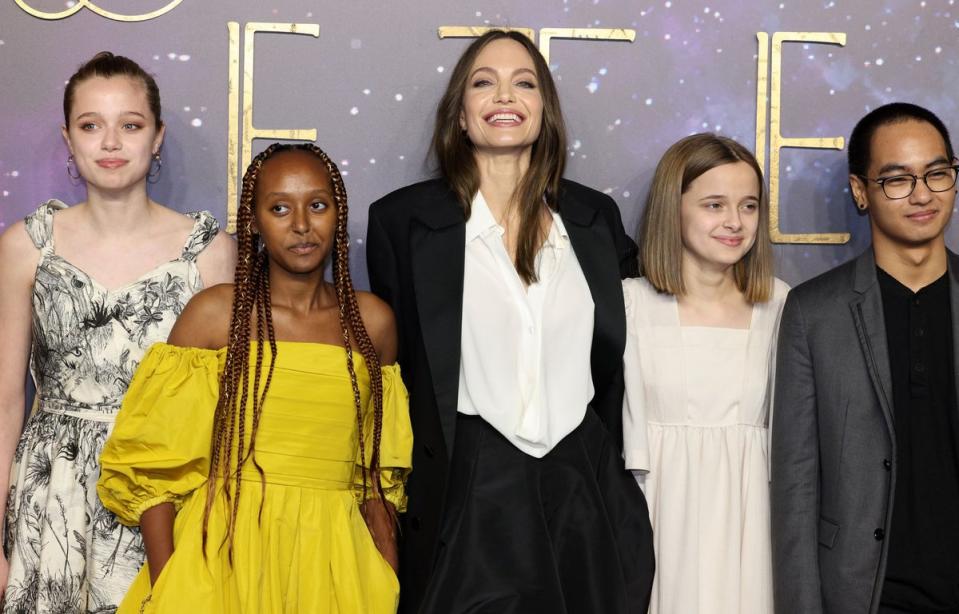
[592, 243]
[867, 313]
[437, 240]
[953, 263]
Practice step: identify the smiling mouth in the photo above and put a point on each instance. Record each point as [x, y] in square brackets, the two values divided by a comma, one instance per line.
[924, 215]
[504, 119]
[730, 241]
[111, 163]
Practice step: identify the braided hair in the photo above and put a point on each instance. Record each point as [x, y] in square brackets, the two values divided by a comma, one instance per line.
[251, 299]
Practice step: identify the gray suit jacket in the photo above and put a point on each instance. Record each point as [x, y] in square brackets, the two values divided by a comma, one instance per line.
[833, 442]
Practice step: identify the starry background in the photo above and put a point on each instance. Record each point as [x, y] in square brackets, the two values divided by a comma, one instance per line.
[370, 82]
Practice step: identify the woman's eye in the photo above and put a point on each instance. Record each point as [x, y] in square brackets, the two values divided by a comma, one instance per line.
[87, 126]
[131, 126]
[714, 205]
[318, 206]
[527, 85]
[482, 83]
[750, 206]
[279, 208]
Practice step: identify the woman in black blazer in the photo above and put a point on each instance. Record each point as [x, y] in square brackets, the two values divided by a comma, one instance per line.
[511, 346]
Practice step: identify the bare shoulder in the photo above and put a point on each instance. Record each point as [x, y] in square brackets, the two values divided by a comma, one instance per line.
[18, 253]
[380, 325]
[205, 322]
[218, 261]
[173, 221]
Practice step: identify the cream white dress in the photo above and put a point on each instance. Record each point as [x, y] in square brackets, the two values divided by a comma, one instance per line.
[695, 421]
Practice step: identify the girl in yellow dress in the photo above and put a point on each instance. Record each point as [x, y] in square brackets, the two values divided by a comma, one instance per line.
[263, 450]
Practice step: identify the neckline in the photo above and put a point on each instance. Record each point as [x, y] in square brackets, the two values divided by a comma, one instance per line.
[198, 219]
[679, 323]
[253, 342]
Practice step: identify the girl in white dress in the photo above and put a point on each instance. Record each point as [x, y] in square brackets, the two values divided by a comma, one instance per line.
[701, 327]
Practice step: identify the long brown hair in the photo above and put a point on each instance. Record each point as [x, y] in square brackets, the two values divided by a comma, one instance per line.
[251, 299]
[660, 233]
[455, 158]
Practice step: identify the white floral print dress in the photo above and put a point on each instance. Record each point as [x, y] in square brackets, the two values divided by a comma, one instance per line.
[67, 553]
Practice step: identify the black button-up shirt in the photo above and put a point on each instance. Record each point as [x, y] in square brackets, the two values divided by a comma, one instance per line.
[922, 570]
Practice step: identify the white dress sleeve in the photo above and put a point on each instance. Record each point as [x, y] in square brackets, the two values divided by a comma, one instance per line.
[635, 436]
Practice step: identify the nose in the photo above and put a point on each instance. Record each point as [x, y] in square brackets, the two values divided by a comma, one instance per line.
[504, 92]
[301, 220]
[734, 220]
[111, 140]
[921, 194]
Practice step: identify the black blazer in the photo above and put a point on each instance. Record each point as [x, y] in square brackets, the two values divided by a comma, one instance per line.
[415, 253]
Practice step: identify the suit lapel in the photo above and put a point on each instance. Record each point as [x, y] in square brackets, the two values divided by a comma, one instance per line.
[953, 263]
[437, 240]
[592, 243]
[871, 326]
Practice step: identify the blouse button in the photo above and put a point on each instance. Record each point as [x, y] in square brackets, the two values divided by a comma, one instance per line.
[878, 534]
[886, 464]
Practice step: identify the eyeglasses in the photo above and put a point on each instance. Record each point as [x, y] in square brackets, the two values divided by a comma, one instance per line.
[901, 186]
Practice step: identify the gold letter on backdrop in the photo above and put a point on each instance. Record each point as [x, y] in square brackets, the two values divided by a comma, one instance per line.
[80, 4]
[776, 140]
[249, 131]
[545, 34]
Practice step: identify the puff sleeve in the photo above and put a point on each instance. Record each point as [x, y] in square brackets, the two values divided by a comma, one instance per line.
[159, 449]
[396, 442]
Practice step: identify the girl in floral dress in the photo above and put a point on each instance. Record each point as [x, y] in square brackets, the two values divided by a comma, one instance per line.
[84, 290]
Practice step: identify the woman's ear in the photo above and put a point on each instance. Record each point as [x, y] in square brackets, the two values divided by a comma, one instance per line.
[66, 138]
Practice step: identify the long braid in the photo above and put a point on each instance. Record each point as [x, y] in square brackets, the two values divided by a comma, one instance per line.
[351, 324]
[229, 416]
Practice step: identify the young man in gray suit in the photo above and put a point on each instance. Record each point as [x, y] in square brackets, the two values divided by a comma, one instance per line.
[865, 476]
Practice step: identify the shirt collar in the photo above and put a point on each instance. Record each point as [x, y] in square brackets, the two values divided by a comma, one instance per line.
[558, 237]
[481, 222]
[481, 219]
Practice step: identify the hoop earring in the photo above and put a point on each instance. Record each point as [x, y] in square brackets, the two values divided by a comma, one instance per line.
[154, 175]
[71, 162]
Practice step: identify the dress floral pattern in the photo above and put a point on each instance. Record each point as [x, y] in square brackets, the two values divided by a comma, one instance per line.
[67, 553]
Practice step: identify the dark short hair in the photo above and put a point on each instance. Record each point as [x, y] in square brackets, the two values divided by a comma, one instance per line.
[106, 64]
[860, 142]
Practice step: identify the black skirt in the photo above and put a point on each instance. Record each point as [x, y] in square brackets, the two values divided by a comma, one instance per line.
[565, 534]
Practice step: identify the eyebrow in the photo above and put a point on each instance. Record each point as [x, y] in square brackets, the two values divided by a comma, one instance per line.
[515, 72]
[95, 114]
[316, 192]
[888, 168]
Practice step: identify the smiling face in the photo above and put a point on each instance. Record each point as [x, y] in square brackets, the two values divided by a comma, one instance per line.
[294, 211]
[502, 105]
[908, 147]
[719, 216]
[112, 133]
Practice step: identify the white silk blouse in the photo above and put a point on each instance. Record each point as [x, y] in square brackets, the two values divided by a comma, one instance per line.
[525, 351]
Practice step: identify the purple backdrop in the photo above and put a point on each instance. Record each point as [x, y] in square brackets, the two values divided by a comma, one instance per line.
[369, 83]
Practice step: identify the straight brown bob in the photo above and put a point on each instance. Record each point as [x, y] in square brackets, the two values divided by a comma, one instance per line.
[660, 233]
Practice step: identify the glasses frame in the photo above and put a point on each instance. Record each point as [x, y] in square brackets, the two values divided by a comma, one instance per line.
[915, 181]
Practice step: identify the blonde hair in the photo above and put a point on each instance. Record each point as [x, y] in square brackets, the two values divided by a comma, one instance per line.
[660, 232]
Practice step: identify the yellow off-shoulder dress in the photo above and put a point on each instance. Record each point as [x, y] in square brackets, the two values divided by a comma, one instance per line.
[310, 550]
